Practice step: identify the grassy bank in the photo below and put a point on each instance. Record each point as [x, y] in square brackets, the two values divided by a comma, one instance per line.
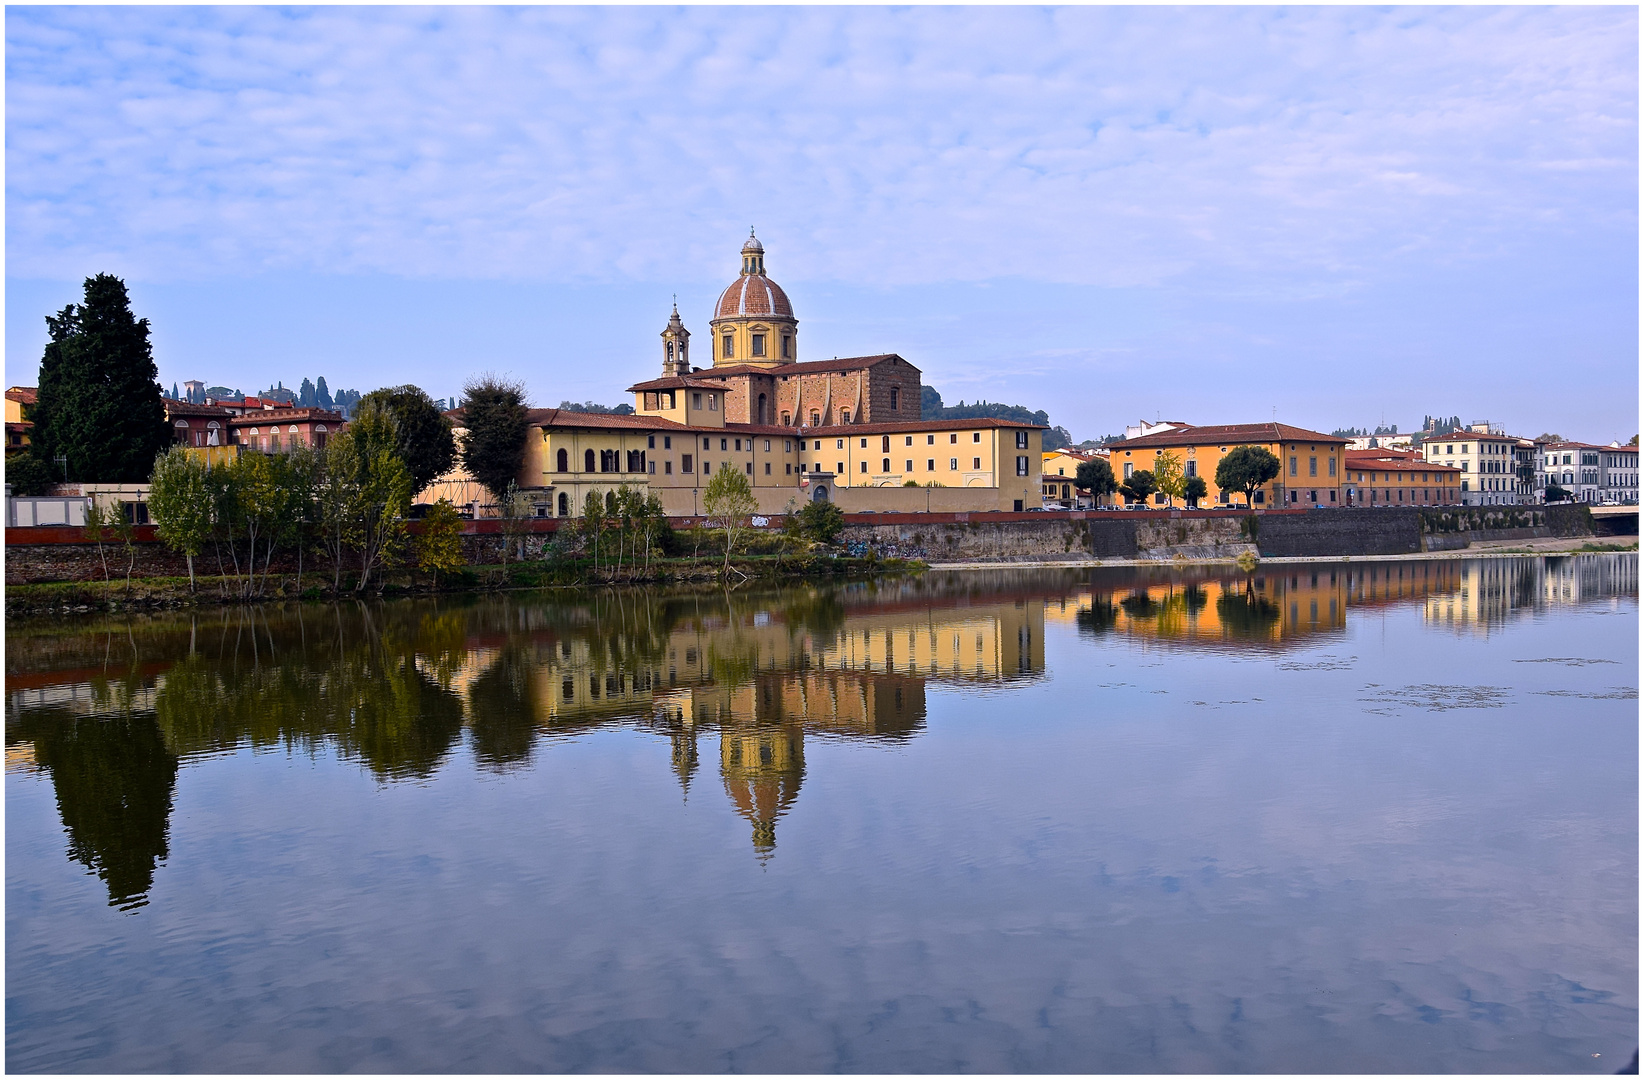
[151, 593]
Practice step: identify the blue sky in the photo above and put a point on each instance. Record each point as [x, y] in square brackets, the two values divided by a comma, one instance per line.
[1332, 215]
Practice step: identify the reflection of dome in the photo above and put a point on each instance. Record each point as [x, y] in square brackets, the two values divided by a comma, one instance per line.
[762, 770]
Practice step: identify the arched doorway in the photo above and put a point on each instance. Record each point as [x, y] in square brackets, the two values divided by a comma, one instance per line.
[820, 494]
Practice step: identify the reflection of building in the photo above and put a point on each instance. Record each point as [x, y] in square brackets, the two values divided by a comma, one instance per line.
[1488, 592]
[762, 768]
[1206, 608]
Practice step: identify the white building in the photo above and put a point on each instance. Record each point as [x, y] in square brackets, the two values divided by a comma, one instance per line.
[1487, 457]
[1593, 474]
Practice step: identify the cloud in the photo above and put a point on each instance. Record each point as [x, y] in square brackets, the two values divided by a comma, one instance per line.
[1100, 146]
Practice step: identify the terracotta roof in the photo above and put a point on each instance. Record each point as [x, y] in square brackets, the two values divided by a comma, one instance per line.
[806, 367]
[565, 418]
[1368, 461]
[28, 395]
[283, 414]
[1231, 434]
[908, 426]
[189, 408]
[1585, 446]
[752, 295]
[674, 382]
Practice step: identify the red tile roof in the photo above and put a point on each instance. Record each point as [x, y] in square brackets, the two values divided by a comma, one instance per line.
[753, 295]
[906, 426]
[176, 408]
[675, 382]
[1230, 434]
[805, 367]
[28, 395]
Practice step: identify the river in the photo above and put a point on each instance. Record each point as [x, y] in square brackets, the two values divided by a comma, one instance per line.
[1343, 817]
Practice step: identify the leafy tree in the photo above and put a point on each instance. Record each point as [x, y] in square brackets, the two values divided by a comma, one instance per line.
[1633, 441]
[592, 523]
[495, 421]
[422, 437]
[1168, 476]
[1246, 468]
[100, 404]
[1194, 489]
[336, 493]
[1096, 477]
[1549, 437]
[382, 496]
[1556, 492]
[1057, 437]
[596, 408]
[440, 545]
[180, 501]
[517, 509]
[1139, 486]
[821, 521]
[28, 474]
[729, 502]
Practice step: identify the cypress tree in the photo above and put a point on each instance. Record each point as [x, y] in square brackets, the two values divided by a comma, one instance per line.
[100, 394]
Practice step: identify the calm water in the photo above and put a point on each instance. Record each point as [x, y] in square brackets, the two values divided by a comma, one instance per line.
[1370, 818]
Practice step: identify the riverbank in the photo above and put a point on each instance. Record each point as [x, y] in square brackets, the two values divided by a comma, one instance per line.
[1480, 549]
[164, 592]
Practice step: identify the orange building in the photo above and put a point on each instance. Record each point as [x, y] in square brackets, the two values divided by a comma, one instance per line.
[1399, 478]
[1310, 462]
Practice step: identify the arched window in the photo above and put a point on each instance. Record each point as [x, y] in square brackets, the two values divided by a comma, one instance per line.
[587, 461]
[884, 447]
[845, 417]
[564, 501]
[816, 418]
[562, 461]
[885, 466]
[787, 420]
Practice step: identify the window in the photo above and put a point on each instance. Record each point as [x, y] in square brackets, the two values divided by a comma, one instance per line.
[750, 468]
[816, 418]
[767, 445]
[839, 467]
[587, 461]
[976, 436]
[896, 395]
[953, 463]
[845, 417]
[1313, 466]
[758, 345]
[787, 446]
[787, 419]
[976, 464]
[707, 444]
[1021, 465]
[839, 444]
[864, 466]
[1129, 466]
[787, 347]
[685, 463]
[667, 442]
[885, 468]
[864, 444]
[725, 346]
[713, 402]
[650, 442]
[667, 468]
[930, 440]
[818, 445]
[562, 462]
[738, 444]
[1332, 466]
[564, 505]
[1292, 465]
[930, 464]
[1021, 440]
[787, 469]
[1192, 468]
[909, 466]
[954, 437]
[884, 445]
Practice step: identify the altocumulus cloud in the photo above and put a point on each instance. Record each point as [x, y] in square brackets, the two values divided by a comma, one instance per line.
[1092, 146]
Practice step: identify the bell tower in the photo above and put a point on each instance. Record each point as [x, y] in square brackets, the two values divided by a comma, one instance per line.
[676, 346]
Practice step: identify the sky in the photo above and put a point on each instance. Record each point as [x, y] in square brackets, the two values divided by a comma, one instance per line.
[1329, 216]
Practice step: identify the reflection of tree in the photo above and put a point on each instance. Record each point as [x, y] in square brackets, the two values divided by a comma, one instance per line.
[1139, 605]
[114, 780]
[1246, 615]
[1098, 618]
[503, 705]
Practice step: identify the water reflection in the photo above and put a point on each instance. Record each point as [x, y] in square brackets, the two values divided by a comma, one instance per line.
[107, 710]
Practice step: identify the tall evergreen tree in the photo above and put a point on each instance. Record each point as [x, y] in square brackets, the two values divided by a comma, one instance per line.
[322, 396]
[305, 395]
[100, 397]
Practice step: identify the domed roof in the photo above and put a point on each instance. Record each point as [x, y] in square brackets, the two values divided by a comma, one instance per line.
[753, 295]
[753, 244]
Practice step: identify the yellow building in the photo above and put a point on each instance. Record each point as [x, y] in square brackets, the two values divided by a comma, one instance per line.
[1311, 464]
[1059, 470]
[20, 401]
[753, 321]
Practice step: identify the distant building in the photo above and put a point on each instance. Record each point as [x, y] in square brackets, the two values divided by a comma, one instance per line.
[1490, 461]
[20, 402]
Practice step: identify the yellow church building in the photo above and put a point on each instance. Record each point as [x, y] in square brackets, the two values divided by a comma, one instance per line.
[845, 430]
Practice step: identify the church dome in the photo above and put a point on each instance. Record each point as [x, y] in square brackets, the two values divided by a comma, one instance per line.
[753, 295]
